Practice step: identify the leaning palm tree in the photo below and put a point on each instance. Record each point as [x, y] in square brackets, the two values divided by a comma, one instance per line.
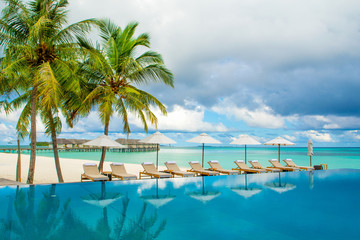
[39, 54]
[115, 71]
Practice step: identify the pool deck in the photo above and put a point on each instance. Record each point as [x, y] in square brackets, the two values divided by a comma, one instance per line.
[7, 182]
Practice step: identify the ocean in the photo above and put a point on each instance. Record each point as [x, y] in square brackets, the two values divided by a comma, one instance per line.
[335, 157]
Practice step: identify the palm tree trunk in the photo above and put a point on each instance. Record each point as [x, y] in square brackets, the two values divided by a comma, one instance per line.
[56, 157]
[18, 165]
[55, 149]
[31, 173]
[103, 153]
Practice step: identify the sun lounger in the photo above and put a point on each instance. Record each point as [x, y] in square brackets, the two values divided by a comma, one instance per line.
[290, 163]
[277, 165]
[198, 169]
[255, 164]
[91, 172]
[118, 171]
[215, 166]
[242, 167]
[174, 169]
[150, 170]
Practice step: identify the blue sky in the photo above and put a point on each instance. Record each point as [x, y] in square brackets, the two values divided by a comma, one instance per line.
[257, 67]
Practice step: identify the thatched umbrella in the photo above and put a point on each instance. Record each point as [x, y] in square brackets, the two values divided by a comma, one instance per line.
[280, 142]
[203, 138]
[157, 138]
[245, 140]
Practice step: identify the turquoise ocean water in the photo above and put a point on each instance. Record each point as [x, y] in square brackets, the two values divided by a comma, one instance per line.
[334, 157]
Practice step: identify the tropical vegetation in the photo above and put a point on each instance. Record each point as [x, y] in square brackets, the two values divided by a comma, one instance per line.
[39, 58]
[50, 69]
[115, 71]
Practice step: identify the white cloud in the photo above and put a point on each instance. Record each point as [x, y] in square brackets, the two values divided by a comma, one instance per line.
[352, 134]
[275, 31]
[261, 117]
[328, 122]
[290, 138]
[91, 123]
[251, 46]
[317, 136]
[189, 119]
[12, 117]
[8, 133]
[332, 126]
[184, 119]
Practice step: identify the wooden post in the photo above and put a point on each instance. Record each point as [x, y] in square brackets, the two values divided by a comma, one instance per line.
[245, 153]
[279, 153]
[157, 156]
[203, 155]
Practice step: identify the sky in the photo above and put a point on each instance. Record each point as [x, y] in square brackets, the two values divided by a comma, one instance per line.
[264, 68]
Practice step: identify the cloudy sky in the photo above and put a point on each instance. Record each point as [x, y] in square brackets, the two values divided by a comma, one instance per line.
[257, 67]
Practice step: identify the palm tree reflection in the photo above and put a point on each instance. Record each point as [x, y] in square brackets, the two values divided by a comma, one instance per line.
[30, 218]
[142, 226]
[32, 221]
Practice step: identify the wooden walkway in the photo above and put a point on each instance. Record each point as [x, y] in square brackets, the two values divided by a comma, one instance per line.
[46, 149]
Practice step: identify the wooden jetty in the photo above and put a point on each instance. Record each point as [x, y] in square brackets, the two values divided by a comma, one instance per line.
[76, 145]
[84, 149]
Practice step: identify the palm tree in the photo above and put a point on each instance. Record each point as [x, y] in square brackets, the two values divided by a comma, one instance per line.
[114, 73]
[39, 57]
[145, 225]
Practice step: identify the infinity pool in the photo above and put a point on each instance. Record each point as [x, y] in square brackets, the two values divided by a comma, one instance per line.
[302, 205]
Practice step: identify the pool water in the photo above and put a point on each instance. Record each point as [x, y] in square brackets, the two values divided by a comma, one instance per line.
[300, 205]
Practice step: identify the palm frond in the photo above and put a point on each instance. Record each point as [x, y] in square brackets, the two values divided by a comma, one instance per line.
[23, 123]
[122, 112]
[108, 29]
[155, 73]
[73, 31]
[48, 86]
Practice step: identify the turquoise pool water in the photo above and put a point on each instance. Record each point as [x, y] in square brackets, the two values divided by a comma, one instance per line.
[301, 205]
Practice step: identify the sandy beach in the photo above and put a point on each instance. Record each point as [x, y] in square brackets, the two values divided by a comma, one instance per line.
[45, 171]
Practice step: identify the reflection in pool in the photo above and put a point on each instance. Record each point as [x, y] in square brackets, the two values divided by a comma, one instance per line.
[302, 205]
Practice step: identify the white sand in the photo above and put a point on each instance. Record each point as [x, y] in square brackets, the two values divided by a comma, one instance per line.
[45, 171]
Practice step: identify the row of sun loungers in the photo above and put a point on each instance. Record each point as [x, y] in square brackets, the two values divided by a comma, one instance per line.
[92, 173]
[150, 170]
[118, 170]
[174, 169]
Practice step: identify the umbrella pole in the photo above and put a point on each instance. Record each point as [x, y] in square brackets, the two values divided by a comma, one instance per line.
[203, 185]
[157, 188]
[279, 153]
[103, 190]
[310, 160]
[245, 181]
[203, 156]
[279, 180]
[157, 156]
[245, 153]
